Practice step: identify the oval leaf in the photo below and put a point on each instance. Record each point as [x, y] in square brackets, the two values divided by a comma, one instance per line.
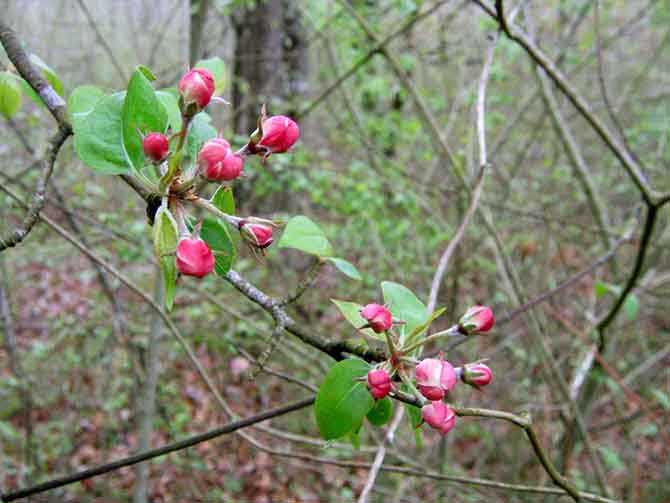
[346, 267]
[165, 245]
[304, 235]
[171, 104]
[10, 95]
[81, 102]
[98, 137]
[141, 112]
[342, 402]
[48, 73]
[381, 412]
[224, 200]
[215, 234]
[405, 306]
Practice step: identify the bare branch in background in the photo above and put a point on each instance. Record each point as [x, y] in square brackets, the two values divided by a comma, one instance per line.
[32, 212]
[101, 39]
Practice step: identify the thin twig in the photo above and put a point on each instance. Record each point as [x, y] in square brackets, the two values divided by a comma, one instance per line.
[154, 453]
[629, 164]
[101, 39]
[608, 318]
[378, 47]
[305, 283]
[567, 283]
[479, 183]
[379, 457]
[19, 233]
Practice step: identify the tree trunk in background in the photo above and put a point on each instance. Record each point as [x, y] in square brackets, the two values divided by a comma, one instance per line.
[198, 15]
[257, 65]
[295, 57]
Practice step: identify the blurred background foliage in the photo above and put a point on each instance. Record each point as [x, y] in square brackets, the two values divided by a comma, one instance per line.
[367, 170]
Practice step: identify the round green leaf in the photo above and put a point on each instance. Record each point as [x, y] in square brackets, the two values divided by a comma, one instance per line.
[98, 137]
[10, 95]
[343, 402]
[81, 102]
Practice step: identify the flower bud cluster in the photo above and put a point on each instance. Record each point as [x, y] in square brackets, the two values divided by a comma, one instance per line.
[433, 377]
[216, 162]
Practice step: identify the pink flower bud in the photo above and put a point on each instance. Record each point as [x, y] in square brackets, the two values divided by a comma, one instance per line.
[477, 375]
[435, 377]
[258, 235]
[194, 258]
[378, 317]
[279, 133]
[217, 162]
[476, 320]
[439, 415]
[156, 146]
[379, 383]
[197, 86]
[232, 167]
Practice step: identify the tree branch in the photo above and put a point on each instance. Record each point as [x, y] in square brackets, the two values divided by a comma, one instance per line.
[154, 453]
[32, 214]
[628, 163]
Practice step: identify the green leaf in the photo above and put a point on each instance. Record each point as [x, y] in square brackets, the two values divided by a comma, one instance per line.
[350, 311]
[171, 105]
[141, 112]
[342, 402]
[224, 200]
[218, 69]
[304, 235]
[98, 137]
[631, 306]
[199, 132]
[405, 306]
[345, 267]
[166, 238]
[10, 95]
[146, 72]
[215, 234]
[416, 333]
[48, 74]
[82, 100]
[381, 412]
